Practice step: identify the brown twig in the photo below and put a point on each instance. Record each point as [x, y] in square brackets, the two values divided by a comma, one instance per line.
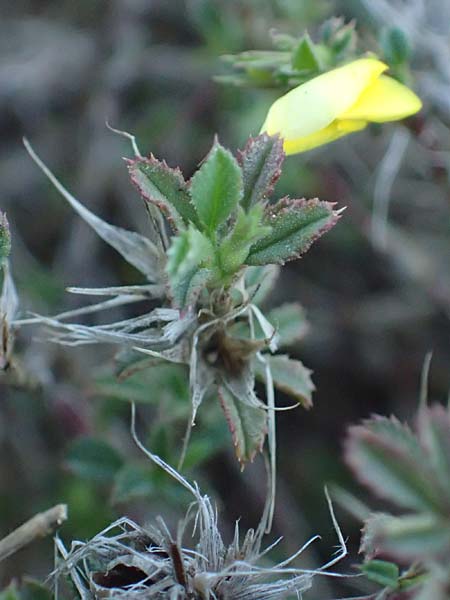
[38, 526]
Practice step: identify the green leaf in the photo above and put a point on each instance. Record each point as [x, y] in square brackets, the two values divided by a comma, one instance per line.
[261, 161]
[410, 537]
[248, 425]
[188, 287]
[5, 238]
[382, 572]
[289, 376]
[188, 249]
[296, 224]
[434, 435]
[290, 322]
[132, 481]
[304, 57]
[395, 45]
[385, 456]
[164, 187]
[93, 459]
[189, 259]
[235, 248]
[216, 188]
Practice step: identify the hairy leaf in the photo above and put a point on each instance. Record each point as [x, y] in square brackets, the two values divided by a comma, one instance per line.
[304, 57]
[164, 187]
[407, 537]
[248, 425]
[235, 248]
[290, 322]
[296, 224]
[261, 161]
[189, 259]
[385, 456]
[187, 287]
[5, 238]
[216, 188]
[382, 572]
[289, 375]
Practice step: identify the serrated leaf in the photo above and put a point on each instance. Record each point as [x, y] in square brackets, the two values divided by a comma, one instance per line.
[290, 323]
[296, 224]
[132, 481]
[164, 187]
[216, 188]
[247, 230]
[382, 572]
[261, 161]
[93, 459]
[5, 238]
[407, 537]
[136, 249]
[385, 456]
[304, 57]
[289, 376]
[434, 434]
[248, 425]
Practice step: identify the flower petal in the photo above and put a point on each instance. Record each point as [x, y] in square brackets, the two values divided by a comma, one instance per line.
[334, 131]
[384, 100]
[314, 105]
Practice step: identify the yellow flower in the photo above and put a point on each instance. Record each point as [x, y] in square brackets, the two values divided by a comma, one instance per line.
[339, 102]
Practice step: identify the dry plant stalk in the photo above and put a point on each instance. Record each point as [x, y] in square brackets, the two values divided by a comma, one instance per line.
[40, 525]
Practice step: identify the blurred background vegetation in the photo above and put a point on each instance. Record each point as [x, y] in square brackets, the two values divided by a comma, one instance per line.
[376, 292]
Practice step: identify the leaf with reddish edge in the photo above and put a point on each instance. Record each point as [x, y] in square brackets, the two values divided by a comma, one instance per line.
[260, 161]
[386, 457]
[296, 224]
[408, 537]
[164, 187]
[434, 435]
[247, 424]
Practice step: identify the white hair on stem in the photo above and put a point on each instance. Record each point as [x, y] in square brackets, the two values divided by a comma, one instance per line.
[209, 570]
